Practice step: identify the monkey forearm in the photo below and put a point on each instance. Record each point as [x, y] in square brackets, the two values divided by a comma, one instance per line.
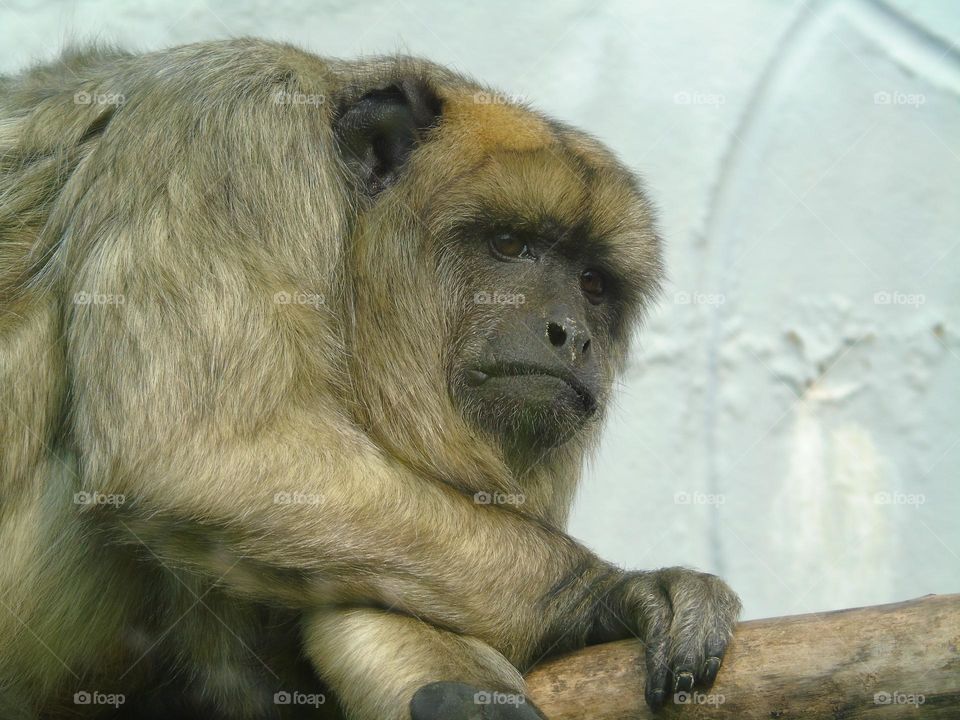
[369, 532]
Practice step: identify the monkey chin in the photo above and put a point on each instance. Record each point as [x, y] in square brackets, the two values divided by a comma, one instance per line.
[530, 412]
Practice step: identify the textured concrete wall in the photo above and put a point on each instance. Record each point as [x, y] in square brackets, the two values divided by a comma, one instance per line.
[791, 420]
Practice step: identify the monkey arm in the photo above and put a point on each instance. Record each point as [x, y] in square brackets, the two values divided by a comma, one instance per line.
[313, 518]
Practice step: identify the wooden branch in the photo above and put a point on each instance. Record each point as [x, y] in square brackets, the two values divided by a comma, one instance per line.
[887, 661]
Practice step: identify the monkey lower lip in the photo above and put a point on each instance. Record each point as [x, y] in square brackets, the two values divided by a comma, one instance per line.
[477, 377]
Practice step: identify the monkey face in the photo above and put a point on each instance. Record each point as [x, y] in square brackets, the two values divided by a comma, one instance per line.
[555, 283]
[539, 251]
[536, 371]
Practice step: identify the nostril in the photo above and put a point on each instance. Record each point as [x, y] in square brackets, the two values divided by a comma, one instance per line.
[557, 335]
[586, 347]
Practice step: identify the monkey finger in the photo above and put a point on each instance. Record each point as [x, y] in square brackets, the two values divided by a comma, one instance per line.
[713, 652]
[658, 671]
[709, 670]
[685, 652]
[725, 608]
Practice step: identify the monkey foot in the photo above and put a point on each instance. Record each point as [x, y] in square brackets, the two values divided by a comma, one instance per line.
[459, 701]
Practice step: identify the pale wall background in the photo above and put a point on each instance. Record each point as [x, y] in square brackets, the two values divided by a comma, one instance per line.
[792, 418]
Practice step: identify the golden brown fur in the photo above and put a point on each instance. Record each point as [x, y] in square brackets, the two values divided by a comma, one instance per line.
[201, 312]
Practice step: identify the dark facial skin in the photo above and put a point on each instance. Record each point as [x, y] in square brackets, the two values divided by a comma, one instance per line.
[537, 372]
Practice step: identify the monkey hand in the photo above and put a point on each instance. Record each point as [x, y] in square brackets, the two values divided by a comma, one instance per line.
[685, 619]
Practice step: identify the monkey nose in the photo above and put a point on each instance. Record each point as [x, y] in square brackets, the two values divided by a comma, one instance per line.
[569, 336]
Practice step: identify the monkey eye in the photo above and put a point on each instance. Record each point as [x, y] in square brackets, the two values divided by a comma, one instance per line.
[593, 285]
[509, 246]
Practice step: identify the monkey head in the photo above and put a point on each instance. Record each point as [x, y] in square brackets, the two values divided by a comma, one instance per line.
[537, 248]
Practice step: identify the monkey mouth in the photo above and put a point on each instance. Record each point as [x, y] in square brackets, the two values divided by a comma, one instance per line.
[478, 376]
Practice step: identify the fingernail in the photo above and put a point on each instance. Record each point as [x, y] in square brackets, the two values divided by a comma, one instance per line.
[684, 682]
[710, 668]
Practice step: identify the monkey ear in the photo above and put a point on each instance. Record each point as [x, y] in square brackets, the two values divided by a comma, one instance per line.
[377, 132]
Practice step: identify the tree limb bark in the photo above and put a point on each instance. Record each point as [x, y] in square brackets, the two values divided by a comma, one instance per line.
[886, 661]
